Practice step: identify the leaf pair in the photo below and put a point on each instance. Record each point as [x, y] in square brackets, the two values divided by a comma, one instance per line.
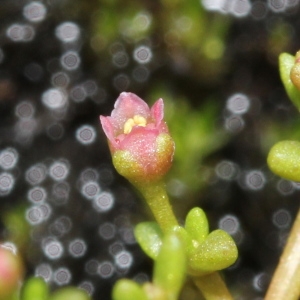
[206, 252]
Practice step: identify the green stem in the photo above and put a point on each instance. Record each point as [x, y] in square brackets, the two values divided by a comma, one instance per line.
[158, 201]
[212, 287]
[285, 283]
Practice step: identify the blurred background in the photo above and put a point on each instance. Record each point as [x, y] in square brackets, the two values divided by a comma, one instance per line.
[215, 64]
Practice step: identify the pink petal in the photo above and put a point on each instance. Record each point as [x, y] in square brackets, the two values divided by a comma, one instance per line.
[157, 111]
[127, 106]
[108, 129]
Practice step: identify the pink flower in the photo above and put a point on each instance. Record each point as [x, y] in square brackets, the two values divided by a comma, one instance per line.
[139, 139]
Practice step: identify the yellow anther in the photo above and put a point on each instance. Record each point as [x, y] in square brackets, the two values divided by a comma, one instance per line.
[135, 121]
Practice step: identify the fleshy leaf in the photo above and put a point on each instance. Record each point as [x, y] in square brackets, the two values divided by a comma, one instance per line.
[126, 289]
[286, 62]
[70, 293]
[170, 266]
[149, 237]
[217, 252]
[196, 224]
[35, 288]
[284, 160]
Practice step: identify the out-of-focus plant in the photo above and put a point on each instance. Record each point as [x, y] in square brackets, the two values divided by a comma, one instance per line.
[284, 160]
[142, 151]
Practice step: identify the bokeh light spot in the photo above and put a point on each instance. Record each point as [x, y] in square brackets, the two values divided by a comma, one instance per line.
[142, 54]
[77, 248]
[34, 11]
[86, 134]
[8, 158]
[67, 32]
[7, 182]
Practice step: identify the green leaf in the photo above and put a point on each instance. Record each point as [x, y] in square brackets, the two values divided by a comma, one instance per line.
[70, 293]
[126, 289]
[286, 62]
[217, 252]
[35, 288]
[149, 237]
[284, 160]
[196, 224]
[170, 266]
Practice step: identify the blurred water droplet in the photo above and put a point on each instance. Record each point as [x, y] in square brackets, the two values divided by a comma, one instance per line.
[53, 249]
[33, 72]
[285, 187]
[60, 79]
[230, 224]
[86, 134]
[62, 276]
[54, 99]
[34, 11]
[87, 286]
[67, 32]
[261, 282]
[61, 191]
[36, 174]
[106, 269]
[103, 202]
[259, 10]
[78, 93]
[142, 54]
[238, 104]
[277, 5]
[255, 180]
[140, 74]
[44, 271]
[107, 231]
[89, 174]
[59, 170]
[91, 266]
[234, 124]
[141, 278]
[121, 82]
[90, 189]
[7, 182]
[20, 33]
[25, 110]
[115, 248]
[240, 8]
[77, 248]
[282, 219]
[37, 195]
[227, 170]
[120, 59]
[8, 158]
[70, 60]
[38, 214]
[55, 131]
[123, 259]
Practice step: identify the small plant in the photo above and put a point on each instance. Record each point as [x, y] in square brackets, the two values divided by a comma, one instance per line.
[142, 150]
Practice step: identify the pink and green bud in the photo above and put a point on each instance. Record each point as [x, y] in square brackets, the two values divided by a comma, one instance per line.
[11, 273]
[139, 140]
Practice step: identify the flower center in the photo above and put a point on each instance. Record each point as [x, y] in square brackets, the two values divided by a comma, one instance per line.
[137, 120]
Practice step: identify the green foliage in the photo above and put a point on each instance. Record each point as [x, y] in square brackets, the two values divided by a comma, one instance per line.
[170, 266]
[284, 159]
[149, 237]
[286, 62]
[35, 288]
[69, 293]
[126, 289]
[206, 252]
[169, 273]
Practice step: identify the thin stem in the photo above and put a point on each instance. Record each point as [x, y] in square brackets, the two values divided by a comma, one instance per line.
[285, 283]
[212, 287]
[158, 201]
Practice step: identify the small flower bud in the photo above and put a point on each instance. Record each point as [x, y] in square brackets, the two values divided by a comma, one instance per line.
[295, 71]
[139, 140]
